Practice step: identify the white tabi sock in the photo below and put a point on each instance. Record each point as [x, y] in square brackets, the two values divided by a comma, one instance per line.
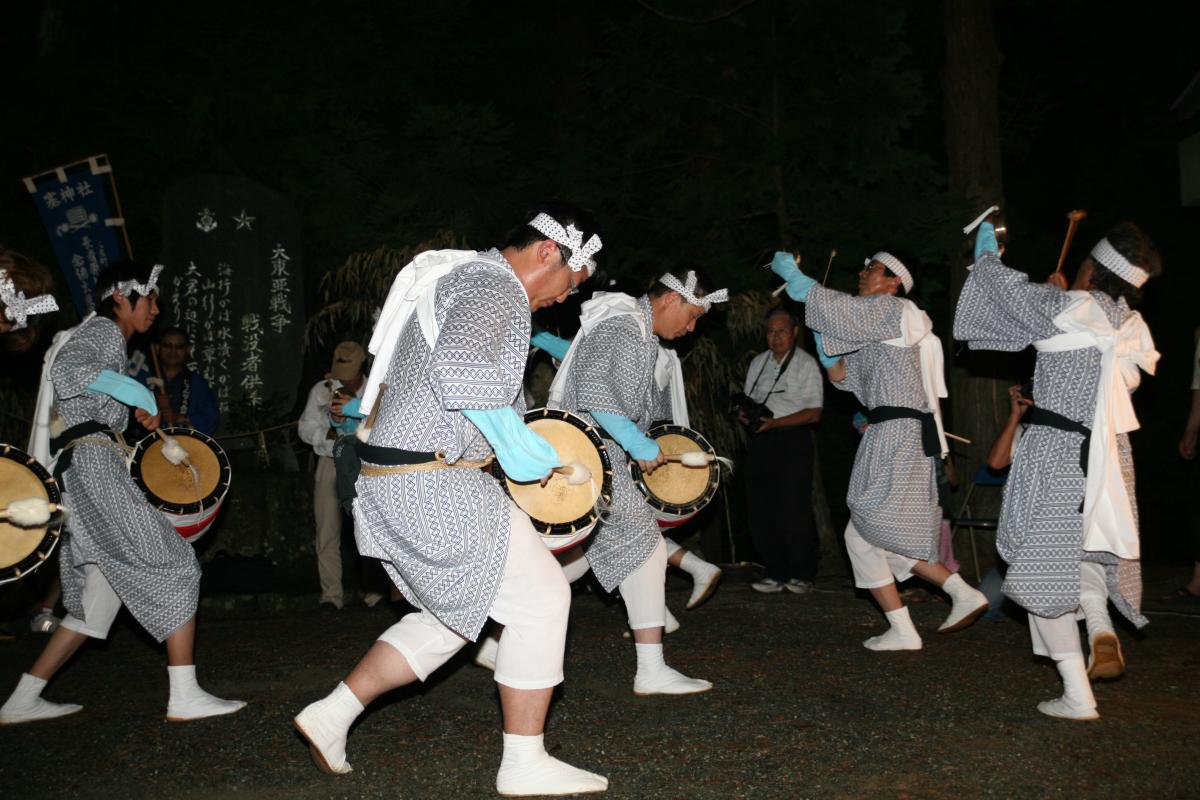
[188, 701]
[655, 677]
[900, 636]
[967, 604]
[1077, 701]
[705, 577]
[485, 654]
[527, 769]
[25, 704]
[325, 724]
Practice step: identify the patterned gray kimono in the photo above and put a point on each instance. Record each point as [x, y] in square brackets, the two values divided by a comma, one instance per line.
[1041, 526]
[443, 535]
[893, 492]
[613, 371]
[151, 568]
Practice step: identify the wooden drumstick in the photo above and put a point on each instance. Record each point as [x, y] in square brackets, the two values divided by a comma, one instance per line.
[779, 291]
[1073, 218]
[962, 439]
[692, 458]
[832, 254]
[28, 512]
[158, 373]
[173, 451]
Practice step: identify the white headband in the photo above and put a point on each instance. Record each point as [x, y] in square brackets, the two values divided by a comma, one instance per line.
[144, 289]
[17, 308]
[898, 269]
[570, 238]
[688, 291]
[1117, 264]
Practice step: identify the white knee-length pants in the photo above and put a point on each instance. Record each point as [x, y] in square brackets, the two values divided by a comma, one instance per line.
[532, 604]
[873, 566]
[644, 591]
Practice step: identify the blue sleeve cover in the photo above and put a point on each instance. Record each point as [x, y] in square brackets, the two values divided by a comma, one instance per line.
[523, 454]
[633, 441]
[124, 389]
[556, 346]
[985, 241]
[827, 361]
[351, 409]
[798, 284]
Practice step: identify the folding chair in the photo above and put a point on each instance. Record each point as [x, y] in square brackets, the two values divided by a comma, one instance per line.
[984, 477]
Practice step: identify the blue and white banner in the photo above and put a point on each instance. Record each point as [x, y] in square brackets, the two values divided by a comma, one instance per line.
[74, 206]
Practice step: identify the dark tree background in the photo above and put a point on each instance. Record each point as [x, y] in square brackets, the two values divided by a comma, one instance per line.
[707, 132]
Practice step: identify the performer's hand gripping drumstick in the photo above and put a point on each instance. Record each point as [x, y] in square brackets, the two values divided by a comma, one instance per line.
[1073, 218]
[828, 265]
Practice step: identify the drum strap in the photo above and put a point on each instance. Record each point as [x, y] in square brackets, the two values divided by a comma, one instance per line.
[65, 440]
[930, 441]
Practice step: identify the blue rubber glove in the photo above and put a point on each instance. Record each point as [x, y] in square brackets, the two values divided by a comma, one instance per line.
[632, 441]
[798, 284]
[985, 240]
[351, 409]
[556, 346]
[826, 360]
[523, 454]
[125, 389]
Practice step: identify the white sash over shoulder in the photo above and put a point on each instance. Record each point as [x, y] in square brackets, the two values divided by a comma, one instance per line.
[917, 329]
[413, 290]
[667, 369]
[1108, 523]
[39, 437]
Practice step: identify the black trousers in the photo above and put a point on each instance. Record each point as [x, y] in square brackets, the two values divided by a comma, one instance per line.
[779, 476]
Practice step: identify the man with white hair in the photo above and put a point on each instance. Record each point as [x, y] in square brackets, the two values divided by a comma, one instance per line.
[450, 346]
[881, 347]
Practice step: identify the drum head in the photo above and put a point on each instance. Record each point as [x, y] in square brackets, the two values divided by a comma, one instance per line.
[558, 507]
[24, 549]
[174, 488]
[674, 488]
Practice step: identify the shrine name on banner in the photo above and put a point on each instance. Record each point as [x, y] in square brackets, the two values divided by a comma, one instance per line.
[73, 204]
[234, 283]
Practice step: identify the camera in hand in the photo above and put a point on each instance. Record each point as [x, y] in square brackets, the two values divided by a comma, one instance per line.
[755, 412]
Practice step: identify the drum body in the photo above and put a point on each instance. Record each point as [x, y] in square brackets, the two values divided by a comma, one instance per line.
[22, 550]
[677, 493]
[189, 497]
[564, 515]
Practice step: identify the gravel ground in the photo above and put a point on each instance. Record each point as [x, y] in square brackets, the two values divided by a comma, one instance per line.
[799, 710]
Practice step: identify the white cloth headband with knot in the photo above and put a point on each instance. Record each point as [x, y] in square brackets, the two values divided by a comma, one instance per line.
[144, 289]
[895, 265]
[1117, 264]
[17, 308]
[570, 238]
[688, 291]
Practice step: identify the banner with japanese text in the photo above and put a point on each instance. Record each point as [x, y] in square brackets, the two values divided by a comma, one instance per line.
[234, 281]
[73, 202]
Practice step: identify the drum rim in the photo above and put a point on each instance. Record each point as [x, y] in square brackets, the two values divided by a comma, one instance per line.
[210, 501]
[590, 518]
[681, 509]
[43, 551]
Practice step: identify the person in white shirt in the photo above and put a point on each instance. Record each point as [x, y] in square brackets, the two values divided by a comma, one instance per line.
[320, 426]
[779, 457]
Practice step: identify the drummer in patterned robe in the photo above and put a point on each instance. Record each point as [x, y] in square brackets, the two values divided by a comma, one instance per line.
[120, 550]
[881, 347]
[1068, 523]
[450, 345]
[617, 377]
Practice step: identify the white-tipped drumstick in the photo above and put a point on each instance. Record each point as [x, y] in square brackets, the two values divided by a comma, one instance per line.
[575, 473]
[172, 450]
[29, 512]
